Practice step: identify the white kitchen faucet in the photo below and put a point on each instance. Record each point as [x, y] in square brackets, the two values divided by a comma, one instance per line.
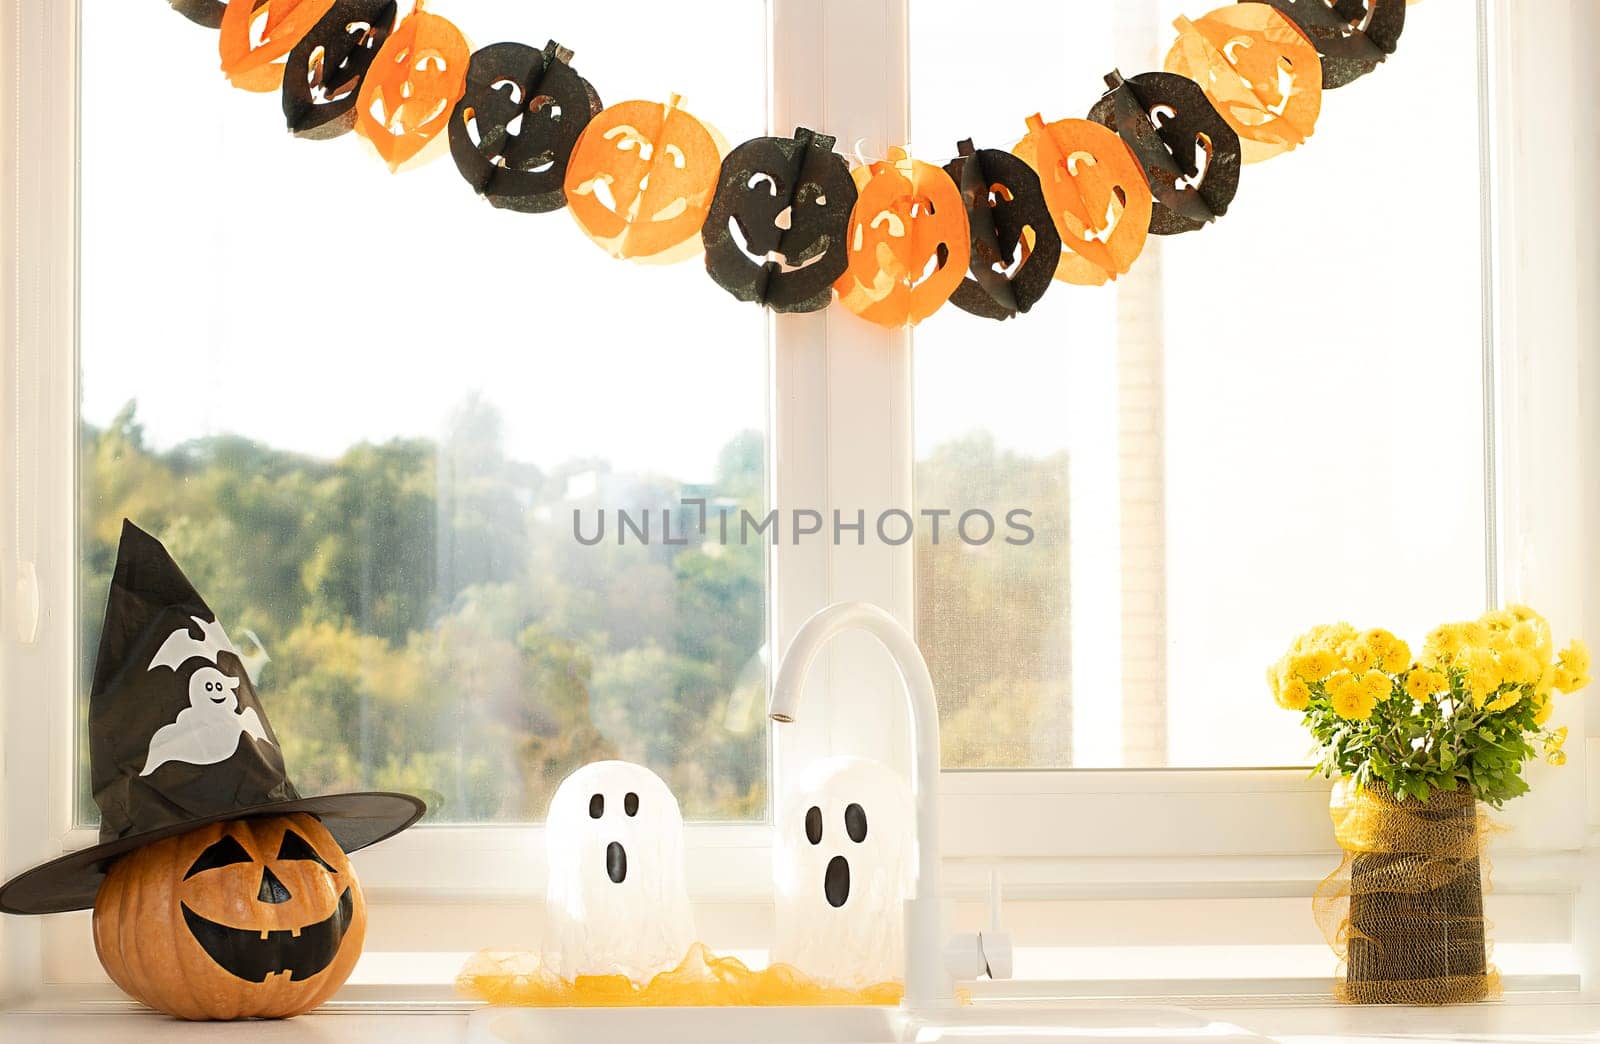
[931, 958]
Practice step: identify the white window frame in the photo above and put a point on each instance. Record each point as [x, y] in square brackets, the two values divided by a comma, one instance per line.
[841, 436]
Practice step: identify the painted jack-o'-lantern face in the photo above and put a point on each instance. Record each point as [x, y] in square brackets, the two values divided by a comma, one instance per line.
[413, 84]
[776, 230]
[909, 242]
[259, 918]
[641, 180]
[513, 131]
[1097, 195]
[256, 35]
[323, 77]
[1264, 77]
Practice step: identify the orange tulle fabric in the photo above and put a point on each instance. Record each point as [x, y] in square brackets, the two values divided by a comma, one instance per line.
[702, 979]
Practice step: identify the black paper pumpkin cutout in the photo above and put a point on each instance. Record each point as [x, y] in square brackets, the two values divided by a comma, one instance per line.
[322, 79]
[1170, 125]
[513, 131]
[776, 230]
[1011, 226]
[1353, 36]
[201, 12]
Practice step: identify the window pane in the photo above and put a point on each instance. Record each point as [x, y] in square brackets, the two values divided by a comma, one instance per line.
[1268, 424]
[361, 410]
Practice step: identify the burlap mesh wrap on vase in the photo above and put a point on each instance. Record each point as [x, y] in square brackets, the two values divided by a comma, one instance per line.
[1404, 911]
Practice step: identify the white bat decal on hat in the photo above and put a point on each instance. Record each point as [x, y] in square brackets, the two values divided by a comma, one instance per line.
[209, 729]
[181, 646]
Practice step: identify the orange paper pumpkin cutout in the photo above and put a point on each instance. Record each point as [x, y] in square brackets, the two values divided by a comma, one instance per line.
[1097, 195]
[278, 25]
[1260, 72]
[412, 87]
[909, 244]
[641, 179]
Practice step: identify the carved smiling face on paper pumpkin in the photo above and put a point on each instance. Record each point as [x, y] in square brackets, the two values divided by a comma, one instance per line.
[776, 230]
[323, 77]
[1097, 195]
[641, 180]
[513, 131]
[414, 83]
[908, 240]
[1015, 245]
[249, 918]
[1352, 36]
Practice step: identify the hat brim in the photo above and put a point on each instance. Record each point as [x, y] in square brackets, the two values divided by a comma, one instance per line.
[72, 881]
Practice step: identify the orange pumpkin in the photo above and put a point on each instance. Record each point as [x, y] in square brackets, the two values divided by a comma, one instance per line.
[278, 24]
[909, 242]
[641, 179]
[413, 85]
[1097, 195]
[253, 918]
[1260, 72]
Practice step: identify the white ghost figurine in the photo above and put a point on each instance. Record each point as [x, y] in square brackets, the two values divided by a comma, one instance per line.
[209, 729]
[616, 901]
[844, 862]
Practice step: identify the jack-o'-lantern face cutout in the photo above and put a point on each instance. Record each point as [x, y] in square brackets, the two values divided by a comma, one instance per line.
[1097, 195]
[1015, 246]
[1189, 153]
[325, 70]
[642, 178]
[908, 239]
[776, 230]
[414, 83]
[250, 918]
[256, 36]
[1353, 37]
[513, 131]
[1262, 75]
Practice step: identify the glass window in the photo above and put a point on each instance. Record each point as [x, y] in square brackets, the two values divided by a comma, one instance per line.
[1271, 423]
[361, 410]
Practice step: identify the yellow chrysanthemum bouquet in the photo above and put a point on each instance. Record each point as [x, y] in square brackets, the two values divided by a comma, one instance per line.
[1415, 745]
[1467, 712]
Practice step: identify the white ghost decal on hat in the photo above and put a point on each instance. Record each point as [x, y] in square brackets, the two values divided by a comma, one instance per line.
[615, 902]
[208, 730]
[843, 866]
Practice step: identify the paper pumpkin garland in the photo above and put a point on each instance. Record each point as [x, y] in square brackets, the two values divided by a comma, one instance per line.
[1097, 196]
[776, 231]
[249, 918]
[1015, 245]
[1160, 153]
[908, 244]
[641, 179]
[412, 87]
[1352, 36]
[1260, 72]
[323, 76]
[1189, 153]
[514, 129]
[257, 35]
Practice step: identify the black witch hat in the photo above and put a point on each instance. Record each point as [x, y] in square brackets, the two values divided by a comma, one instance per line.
[178, 738]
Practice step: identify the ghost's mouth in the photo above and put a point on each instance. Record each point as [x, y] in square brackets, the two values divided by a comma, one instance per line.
[218, 699]
[616, 863]
[836, 882]
[256, 956]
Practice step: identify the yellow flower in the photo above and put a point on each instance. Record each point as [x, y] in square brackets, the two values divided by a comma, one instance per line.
[1375, 686]
[1558, 739]
[1442, 645]
[1575, 657]
[1349, 697]
[1313, 666]
[1397, 659]
[1498, 619]
[1556, 757]
[1482, 672]
[1422, 684]
[1568, 680]
[1525, 636]
[1506, 699]
[1358, 655]
[1541, 713]
[1520, 667]
[1295, 695]
[1522, 614]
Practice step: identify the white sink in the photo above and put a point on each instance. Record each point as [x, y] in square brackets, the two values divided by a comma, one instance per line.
[979, 1024]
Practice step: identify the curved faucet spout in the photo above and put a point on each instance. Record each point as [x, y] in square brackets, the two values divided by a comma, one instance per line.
[926, 981]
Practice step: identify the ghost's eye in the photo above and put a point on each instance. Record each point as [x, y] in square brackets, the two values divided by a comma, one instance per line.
[597, 806]
[855, 822]
[222, 853]
[814, 825]
[630, 803]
